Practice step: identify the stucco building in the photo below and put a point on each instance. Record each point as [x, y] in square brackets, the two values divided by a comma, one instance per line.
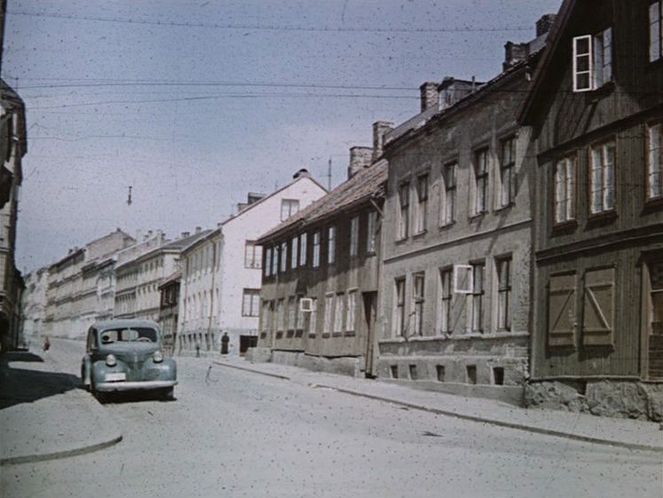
[221, 273]
[33, 306]
[457, 236]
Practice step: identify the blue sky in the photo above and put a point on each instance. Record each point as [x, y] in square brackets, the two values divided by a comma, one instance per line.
[195, 103]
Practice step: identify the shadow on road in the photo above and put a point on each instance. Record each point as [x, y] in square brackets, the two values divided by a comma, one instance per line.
[19, 385]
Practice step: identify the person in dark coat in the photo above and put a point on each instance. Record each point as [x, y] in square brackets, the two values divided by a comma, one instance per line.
[224, 343]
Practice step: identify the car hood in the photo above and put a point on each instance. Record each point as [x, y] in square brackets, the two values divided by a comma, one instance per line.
[130, 351]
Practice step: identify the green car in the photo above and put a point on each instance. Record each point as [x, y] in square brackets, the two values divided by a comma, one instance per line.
[125, 355]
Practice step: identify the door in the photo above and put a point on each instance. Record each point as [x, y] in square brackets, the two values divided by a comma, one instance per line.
[370, 312]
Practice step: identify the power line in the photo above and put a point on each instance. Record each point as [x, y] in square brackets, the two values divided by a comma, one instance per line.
[269, 27]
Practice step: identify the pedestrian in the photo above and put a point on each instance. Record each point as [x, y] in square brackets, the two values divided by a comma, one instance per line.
[224, 343]
[47, 344]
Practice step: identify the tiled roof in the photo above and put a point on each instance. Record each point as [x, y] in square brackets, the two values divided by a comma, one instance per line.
[367, 183]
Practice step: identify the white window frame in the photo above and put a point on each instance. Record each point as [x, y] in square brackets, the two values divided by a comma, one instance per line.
[302, 248]
[460, 273]
[577, 87]
[288, 208]
[445, 301]
[294, 252]
[283, 254]
[602, 177]
[354, 236]
[564, 189]
[331, 245]
[599, 60]
[253, 296]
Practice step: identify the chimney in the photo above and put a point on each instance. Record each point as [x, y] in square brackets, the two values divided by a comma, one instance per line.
[185, 235]
[380, 129]
[360, 158]
[303, 172]
[514, 53]
[199, 229]
[544, 24]
[429, 95]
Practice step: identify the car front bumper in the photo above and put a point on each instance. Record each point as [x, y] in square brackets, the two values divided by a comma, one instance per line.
[134, 385]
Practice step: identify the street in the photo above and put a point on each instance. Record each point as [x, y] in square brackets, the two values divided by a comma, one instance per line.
[235, 433]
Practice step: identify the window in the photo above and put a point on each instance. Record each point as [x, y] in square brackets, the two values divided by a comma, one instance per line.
[275, 260]
[444, 320]
[422, 204]
[329, 311]
[602, 178]
[339, 312]
[280, 315]
[371, 227]
[331, 245]
[507, 166]
[313, 318]
[418, 299]
[292, 313]
[655, 31]
[480, 182]
[592, 61]
[351, 310]
[565, 190]
[294, 252]
[655, 162]
[503, 267]
[598, 307]
[316, 249]
[288, 208]
[562, 309]
[302, 249]
[399, 307]
[354, 236]
[404, 206]
[284, 257]
[250, 302]
[478, 272]
[448, 202]
[252, 255]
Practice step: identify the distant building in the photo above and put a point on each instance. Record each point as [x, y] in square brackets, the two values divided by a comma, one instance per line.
[168, 311]
[137, 293]
[596, 109]
[33, 306]
[220, 284]
[13, 146]
[457, 237]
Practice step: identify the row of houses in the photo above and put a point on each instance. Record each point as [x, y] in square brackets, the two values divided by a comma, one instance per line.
[198, 285]
[507, 240]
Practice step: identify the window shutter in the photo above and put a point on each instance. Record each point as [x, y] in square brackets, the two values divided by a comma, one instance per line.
[598, 307]
[562, 310]
[582, 63]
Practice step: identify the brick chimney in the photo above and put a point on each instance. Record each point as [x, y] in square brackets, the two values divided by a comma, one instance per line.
[360, 158]
[544, 24]
[429, 95]
[514, 53]
[380, 129]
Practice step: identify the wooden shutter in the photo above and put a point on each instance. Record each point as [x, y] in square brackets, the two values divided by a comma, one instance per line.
[562, 310]
[598, 307]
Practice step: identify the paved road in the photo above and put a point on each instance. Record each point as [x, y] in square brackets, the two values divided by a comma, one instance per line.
[234, 433]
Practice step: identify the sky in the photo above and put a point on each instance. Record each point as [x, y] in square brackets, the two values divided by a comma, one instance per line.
[195, 103]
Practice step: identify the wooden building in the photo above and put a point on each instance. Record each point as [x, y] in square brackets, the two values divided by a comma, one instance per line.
[596, 109]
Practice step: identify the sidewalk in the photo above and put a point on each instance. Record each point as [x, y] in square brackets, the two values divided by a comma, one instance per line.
[632, 434]
[44, 414]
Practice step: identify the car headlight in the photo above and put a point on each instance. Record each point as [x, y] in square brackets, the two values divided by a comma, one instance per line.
[158, 357]
[111, 361]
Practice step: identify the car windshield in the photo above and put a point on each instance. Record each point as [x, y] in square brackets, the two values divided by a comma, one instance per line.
[143, 334]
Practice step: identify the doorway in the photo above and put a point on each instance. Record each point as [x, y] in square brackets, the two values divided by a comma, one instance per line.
[370, 313]
[246, 342]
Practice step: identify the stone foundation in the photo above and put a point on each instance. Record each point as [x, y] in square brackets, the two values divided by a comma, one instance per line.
[352, 366]
[607, 398]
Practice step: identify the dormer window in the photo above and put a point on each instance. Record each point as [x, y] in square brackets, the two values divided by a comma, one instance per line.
[592, 61]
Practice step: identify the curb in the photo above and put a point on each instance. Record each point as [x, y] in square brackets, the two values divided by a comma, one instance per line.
[268, 374]
[61, 454]
[473, 418]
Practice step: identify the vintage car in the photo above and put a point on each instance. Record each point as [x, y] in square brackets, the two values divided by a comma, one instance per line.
[125, 355]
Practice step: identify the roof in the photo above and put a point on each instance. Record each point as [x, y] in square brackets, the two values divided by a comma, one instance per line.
[552, 43]
[173, 277]
[366, 184]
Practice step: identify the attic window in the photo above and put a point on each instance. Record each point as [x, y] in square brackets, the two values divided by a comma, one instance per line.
[592, 61]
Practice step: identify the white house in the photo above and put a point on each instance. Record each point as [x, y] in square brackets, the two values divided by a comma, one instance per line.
[221, 273]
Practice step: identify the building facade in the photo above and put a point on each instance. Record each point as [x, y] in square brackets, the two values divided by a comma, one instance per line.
[597, 113]
[221, 274]
[33, 306]
[168, 311]
[13, 146]
[320, 281]
[457, 238]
